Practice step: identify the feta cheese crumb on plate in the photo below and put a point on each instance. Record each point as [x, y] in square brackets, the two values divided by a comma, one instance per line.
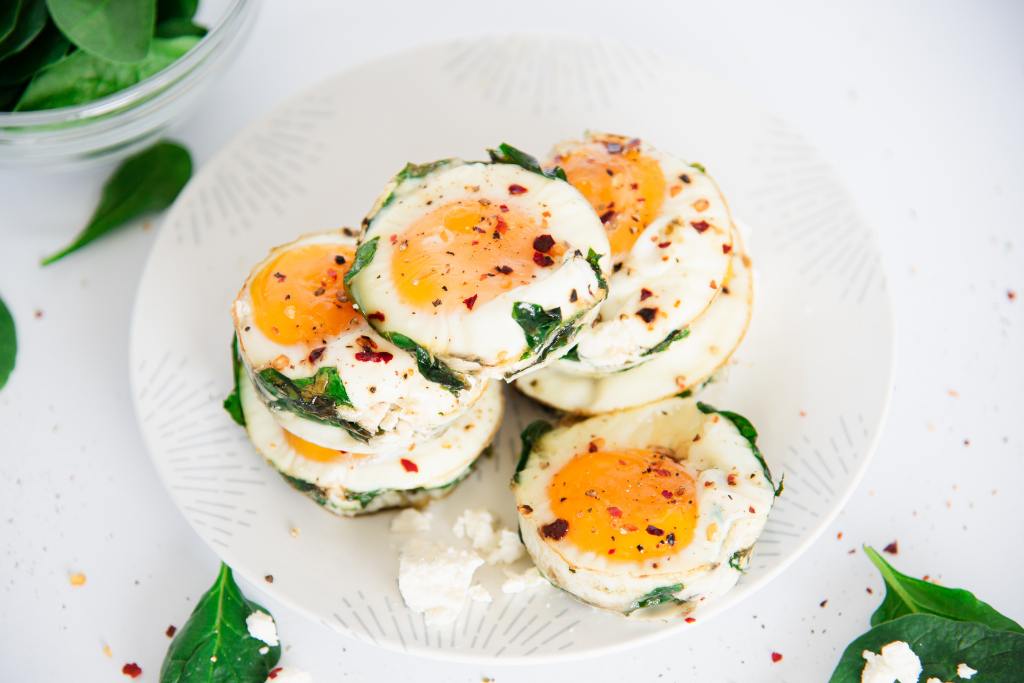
[262, 627]
[896, 663]
[434, 579]
[499, 546]
[522, 581]
[411, 520]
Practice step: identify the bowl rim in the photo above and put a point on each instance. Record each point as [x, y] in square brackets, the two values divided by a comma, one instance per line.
[143, 90]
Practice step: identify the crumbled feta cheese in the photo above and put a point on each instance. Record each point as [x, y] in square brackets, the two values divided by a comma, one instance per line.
[933, 679]
[262, 627]
[411, 520]
[284, 675]
[517, 583]
[896, 662]
[434, 579]
[498, 546]
[478, 593]
[964, 671]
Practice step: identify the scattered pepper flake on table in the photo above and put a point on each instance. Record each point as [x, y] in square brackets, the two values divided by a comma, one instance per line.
[776, 657]
[132, 670]
[893, 548]
[171, 630]
[77, 579]
[269, 578]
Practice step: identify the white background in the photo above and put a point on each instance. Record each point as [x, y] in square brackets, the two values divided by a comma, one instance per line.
[919, 106]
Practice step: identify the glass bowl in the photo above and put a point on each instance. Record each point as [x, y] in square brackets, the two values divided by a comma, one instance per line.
[132, 118]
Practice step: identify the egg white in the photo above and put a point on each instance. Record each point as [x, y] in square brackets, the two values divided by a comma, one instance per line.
[685, 365]
[392, 401]
[710, 564]
[342, 487]
[485, 341]
[681, 269]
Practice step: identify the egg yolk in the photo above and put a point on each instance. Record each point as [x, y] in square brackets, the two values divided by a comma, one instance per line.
[312, 451]
[627, 505]
[299, 296]
[626, 188]
[465, 253]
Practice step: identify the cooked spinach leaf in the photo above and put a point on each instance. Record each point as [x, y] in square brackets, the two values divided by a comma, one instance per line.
[594, 259]
[8, 343]
[529, 437]
[318, 395]
[429, 366]
[699, 167]
[941, 645]
[364, 254]
[81, 77]
[317, 493]
[233, 402]
[907, 595]
[145, 183]
[658, 596]
[572, 354]
[670, 338]
[214, 645]
[113, 30]
[746, 429]
[46, 49]
[412, 170]
[364, 498]
[739, 559]
[507, 154]
[537, 323]
[28, 25]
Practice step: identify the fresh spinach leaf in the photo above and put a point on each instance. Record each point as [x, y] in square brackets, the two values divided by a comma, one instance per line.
[536, 322]
[215, 645]
[670, 338]
[529, 437]
[907, 595]
[8, 343]
[429, 366]
[29, 24]
[46, 49]
[145, 183]
[507, 154]
[658, 596]
[941, 645]
[747, 431]
[176, 9]
[81, 77]
[594, 259]
[233, 402]
[364, 255]
[114, 30]
[8, 17]
[179, 26]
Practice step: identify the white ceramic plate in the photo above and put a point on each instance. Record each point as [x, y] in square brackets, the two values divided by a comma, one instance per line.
[814, 374]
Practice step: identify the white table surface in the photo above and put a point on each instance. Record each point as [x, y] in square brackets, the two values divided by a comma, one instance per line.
[919, 107]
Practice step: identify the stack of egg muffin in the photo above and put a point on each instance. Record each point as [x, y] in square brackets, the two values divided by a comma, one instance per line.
[609, 281]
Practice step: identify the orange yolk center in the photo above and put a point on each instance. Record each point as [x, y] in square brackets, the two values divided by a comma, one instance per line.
[299, 296]
[625, 187]
[312, 451]
[626, 505]
[465, 253]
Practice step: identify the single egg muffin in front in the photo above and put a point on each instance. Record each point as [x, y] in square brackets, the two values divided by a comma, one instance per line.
[649, 512]
[482, 269]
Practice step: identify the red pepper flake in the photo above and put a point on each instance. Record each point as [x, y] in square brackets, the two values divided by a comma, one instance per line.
[752, 510]
[665, 493]
[409, 465]
[131, 669]
[503, 207]
[273, 672]
[661, 472]
[368, 356]
[776, 657]
[662, 245]
[376, 315]
[469, 301]
[543, 243]
[611, 551]
[504, 270]
[542, 260]
[689, 620]
[280, 277]
[654, 531]
[556, 530]
[708, 484]
[647, 314]
[731, 479]
[645, 294]
[171, 630]
[726, 248]
[614, 511]
[1011, 295]
[893, 548]
[870, 592]
[315, 354]
[607, 216]
[700, 226]
[515, 188]
[839, 536]
[394, 239]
